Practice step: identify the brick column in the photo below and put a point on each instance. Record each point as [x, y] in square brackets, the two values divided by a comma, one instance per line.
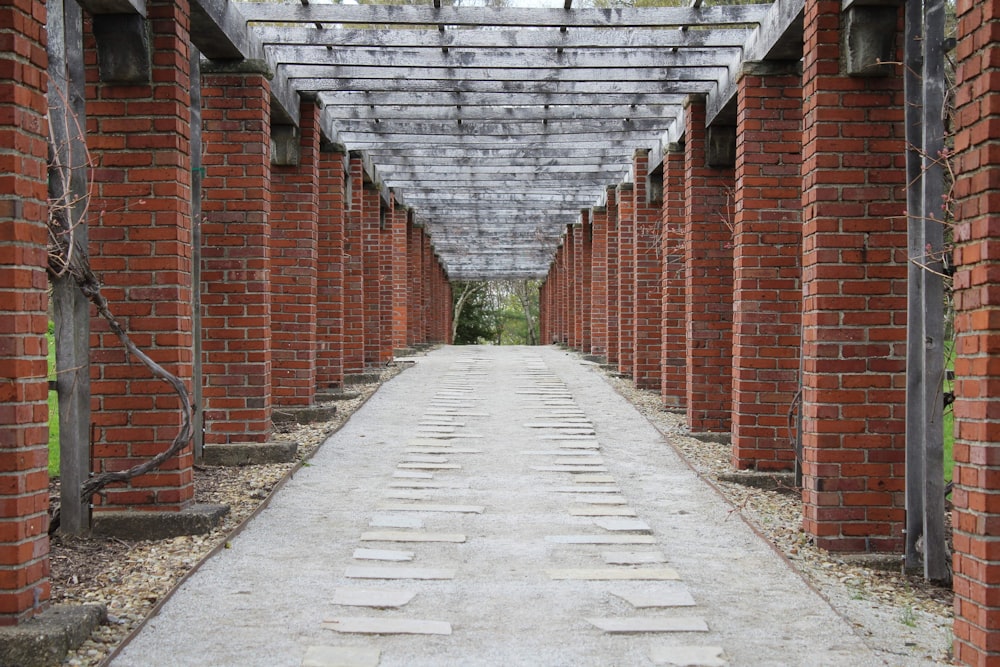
[559, 296]
[767, 264]
[371, 230]
[614, 261]
[854, 296]
[24, 493]
[626, 279]
[330, 272]
[294, 243]
[599, 282]
[428, 262]
[354, 276]
[587, 267]
[140, 247]
[413, 284]
[400, 275]
[673, 386]
[235, 227]
[578, 287]
[387, 284]
[647, 275]
[977, 256]
[708, 273]
[572, 288]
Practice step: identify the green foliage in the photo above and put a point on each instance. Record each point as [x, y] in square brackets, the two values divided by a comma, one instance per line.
[503, 312]
[477, 322]
[53, 406]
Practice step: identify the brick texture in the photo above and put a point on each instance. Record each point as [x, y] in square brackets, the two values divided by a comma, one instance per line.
[647, 273]
[767, 266]
[354, 273]
[598, 282]
[294, 256]
[854, 297]
[672, 328]
[708, 274]
[330, 272]
[140, 246]
[614, 261]
[399, 233]
[626, 279]
[24, 496]
[977, 328]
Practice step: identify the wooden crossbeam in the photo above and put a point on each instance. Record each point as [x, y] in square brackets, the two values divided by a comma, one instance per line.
[489, 128]
[470, 75]
[312, 81]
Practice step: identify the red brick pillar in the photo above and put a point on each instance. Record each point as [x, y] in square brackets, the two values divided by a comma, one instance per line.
[371, 229]
[561, 335]
[235, 227]
[140, 247]
[614, 261]
[572, 289]
[586, 269]
[977, 438]
[387, 286]
[767, 264]
[673, 386]
[294, 243]
[413, 304]
[578, 287]
[330, 272]
[708, 272]
[599, 282]
[354, 273]
[647, 276]
[428, 284]
[854, 296]
[626, 279]
[400, 275]
[24, 482]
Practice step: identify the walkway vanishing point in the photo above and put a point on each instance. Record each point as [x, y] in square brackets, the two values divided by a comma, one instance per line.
[496, 506]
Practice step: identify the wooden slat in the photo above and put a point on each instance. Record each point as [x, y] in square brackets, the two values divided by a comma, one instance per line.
[573, 95]
[525, 75]
[519, 129]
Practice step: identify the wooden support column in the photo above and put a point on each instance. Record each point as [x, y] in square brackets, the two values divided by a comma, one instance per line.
[626, 279]
[140, 247]
[768, 248]
[354, 272]
[854, 295]
[24, 540]
[673, 387]
[294, 247]
[977, 339]
[330, 271]
[708, 273]
[614, 261]
[599, 282]
[647, 276]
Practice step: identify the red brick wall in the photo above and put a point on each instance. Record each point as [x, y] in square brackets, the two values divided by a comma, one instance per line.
[24, 495]
[428, 262]
[371, 213]
[599, 282]
[587, 261]
[626, 279]
[708, 273]
[294, 241]
[647, 274]
[417, 280]
[400, 276]
[767, 273]
[572, 288]
[614, 261]
[674, 351]
[854, 297]
[386, 285]
[236, 257]
[976, 451]
[140, 247]
[330, 272]
[354, 276]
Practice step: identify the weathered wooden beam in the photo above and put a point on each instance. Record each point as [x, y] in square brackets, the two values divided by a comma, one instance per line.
[454, 112]
[94, 7]
[389, 159]
[219, 31]
[468, 100]
[581, 38]
[512, 58]
[616, 152]
[469, 75]
[314, 80]
[619, 17]
[416, 172]
[515, 129]
[361, 141]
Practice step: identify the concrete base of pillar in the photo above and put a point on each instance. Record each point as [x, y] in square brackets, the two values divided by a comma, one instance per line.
[248, 453]
[303, 415]
[195, 520]
[47, 638]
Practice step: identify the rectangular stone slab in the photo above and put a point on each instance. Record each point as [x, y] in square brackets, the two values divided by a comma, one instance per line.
[575, 437]
[623, 525]
[586, 489]
[383, 554]
[616, 574]
[654, 599]
[387, 626]
[396, 522]
[574, 469]
[412, 474]
[581, 461]
[633, 557]
[424, 458]
[650, 624]
[442, 450]
[366, 597]
[341, 656]
[404, 495]
[594, 479]
[601, 500]
[424, 484]
[601, 511]
[427, 507]
[405, 536]
[601, 539]
[364, 572]
[569, 425]
[429, 466]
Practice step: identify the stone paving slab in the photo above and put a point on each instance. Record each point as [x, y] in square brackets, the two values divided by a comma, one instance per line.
[387, 626]
[341, 656]
[383, 554]
[367, 597]
[623, 525]
[401, 536]
[367, 572]
[633, 557]
[396, 522]
[650, 624]
[602, 510]
[429, 507]
[649, 599]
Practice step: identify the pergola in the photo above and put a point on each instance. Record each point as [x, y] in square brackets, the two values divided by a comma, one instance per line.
[497, 125]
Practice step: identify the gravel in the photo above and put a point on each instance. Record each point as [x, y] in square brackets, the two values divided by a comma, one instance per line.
[905, 619]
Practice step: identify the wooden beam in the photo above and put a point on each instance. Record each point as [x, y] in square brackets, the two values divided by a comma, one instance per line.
[361, 141]
[314, 80]
[519, 129]
[580, 38]
[219, 31]
[94, 7]
[417, 172]
[709, 71]
[621, 17]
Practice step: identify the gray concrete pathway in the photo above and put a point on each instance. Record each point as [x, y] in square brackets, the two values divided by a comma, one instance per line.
[496, 506]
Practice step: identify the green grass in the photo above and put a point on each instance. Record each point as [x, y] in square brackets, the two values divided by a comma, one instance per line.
[53, 408]
[948, 419]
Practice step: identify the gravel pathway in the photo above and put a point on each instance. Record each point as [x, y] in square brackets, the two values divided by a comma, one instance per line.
[538, 515]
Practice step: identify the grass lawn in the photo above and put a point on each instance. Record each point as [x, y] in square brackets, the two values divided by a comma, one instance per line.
[53, 409]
